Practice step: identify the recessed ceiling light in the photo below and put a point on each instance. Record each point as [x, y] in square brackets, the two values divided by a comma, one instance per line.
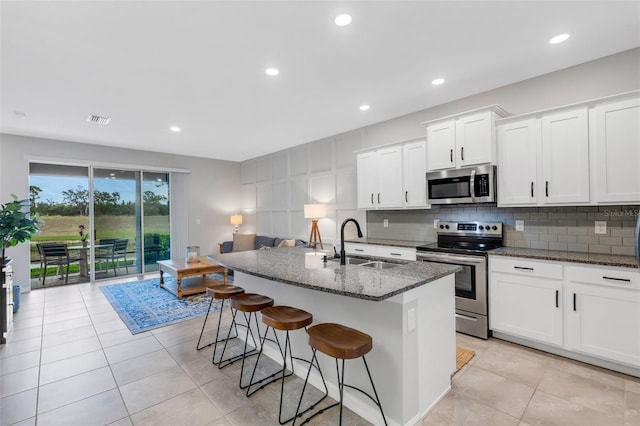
[112, 174]
[437, 81]
[272, 71]
[364, 107]
[20, 114]
[559, 38]
[342, 20]
[174, 129]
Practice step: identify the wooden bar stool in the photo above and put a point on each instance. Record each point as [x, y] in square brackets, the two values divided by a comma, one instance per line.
[247, 303]
[218, 292]
[284, 318]
[340, 342]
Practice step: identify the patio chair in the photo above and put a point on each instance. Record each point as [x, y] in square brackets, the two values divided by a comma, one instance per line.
[55, 254]
[114, 254]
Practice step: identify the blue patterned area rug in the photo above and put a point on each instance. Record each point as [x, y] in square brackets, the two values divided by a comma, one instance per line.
[143, 305]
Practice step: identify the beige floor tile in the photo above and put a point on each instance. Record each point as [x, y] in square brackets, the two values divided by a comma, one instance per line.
[36, 311]
[120, 336]
[20, 362]
[66, 336]
[126, 421]
[104, 317]
[19, 323]
[601, 375]
[67, 350]
[545, 409]
[70, 324]
[186, 352]
[19, 381]
[202, 371]
[52, 309]
[18, 407]
[96, 410]
[632, 384]
[457, 409]
[632, 408]
[178, 335]
[109, 326]
[190, 408]
[69, 367]
[26, 333]
[493, 390]
[220, 422]
[226, 395]
[584, 390]
[22, 346]
[146, 365]
[28, 422]
[132, 349]
[66, 391]
[514, 362]
[152, 390]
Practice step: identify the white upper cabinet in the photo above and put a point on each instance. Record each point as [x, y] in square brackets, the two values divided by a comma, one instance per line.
[616, 144]
[544, 160]
[380, 178]
[517, 159]
[462, 140]
[414, 168]
[565, 157]
[441, 145]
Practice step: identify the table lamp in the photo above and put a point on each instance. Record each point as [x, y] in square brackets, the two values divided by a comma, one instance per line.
[236, 220]
[315, 212]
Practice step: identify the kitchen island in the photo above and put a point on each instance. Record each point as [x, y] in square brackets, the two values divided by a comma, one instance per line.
[408, 309]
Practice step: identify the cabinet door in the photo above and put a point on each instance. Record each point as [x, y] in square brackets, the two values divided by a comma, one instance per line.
[565, 158]
[517, 158]
[389, 177]
[474, 139]
[617, 152]
[414, 182]
[367, 180]
[604, 322]
[441, 140]
[524, 306]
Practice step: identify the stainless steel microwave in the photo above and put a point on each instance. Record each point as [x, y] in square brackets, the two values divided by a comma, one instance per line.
[462, 186]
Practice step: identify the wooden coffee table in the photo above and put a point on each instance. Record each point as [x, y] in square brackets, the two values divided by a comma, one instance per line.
[181, 269]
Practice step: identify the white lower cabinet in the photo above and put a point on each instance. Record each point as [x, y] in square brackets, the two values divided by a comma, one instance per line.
[389, 252]
[586, 310]
[525, 299]
[603, 313]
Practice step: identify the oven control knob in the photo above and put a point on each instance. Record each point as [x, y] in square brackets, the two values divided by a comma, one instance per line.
[495, 228]
[487, 227]
[441, 226]
[446, 226]
[481, 227]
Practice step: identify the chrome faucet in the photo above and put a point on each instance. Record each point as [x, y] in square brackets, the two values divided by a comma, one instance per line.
[343, 259]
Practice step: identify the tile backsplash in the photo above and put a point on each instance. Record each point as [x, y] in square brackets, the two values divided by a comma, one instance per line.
[554, 228]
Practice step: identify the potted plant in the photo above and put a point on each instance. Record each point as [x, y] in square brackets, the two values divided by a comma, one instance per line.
[16, 226]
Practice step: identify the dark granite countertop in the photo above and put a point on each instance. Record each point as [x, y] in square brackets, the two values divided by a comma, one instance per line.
[385, 242]
[287, 265]
[568, 256]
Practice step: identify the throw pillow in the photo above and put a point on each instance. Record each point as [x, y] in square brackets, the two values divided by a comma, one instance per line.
[244, 242]
[287, 243]
[262, 241]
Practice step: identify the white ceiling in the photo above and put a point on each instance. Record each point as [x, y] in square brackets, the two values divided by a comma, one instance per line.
[200, 65]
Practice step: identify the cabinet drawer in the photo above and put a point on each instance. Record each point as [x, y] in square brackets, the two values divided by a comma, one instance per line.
[617, 277]
[360, 249]
[397, 253]
[528, 267]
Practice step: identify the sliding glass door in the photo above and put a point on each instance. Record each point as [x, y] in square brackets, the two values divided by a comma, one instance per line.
[114, 222]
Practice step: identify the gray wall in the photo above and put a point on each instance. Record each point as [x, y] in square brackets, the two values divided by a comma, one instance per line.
[213, 185]
[332, 160]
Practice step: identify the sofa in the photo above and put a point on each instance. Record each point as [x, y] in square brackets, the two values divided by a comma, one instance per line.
[244, 242]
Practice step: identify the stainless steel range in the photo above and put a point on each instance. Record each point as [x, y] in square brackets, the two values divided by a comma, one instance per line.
[466, 244]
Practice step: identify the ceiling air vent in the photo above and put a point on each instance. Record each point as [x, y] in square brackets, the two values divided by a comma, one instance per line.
[97, 119]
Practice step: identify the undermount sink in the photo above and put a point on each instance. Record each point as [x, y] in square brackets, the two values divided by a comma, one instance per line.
[353, 261]
[380, 265]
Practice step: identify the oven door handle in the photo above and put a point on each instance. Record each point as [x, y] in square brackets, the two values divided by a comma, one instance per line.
[451, 259]
[472, 183]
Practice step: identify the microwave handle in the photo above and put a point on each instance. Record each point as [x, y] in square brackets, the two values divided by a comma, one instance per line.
[472, 182]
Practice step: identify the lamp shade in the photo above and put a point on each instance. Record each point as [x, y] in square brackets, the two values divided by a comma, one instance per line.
[315, 211]
[236, 219]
